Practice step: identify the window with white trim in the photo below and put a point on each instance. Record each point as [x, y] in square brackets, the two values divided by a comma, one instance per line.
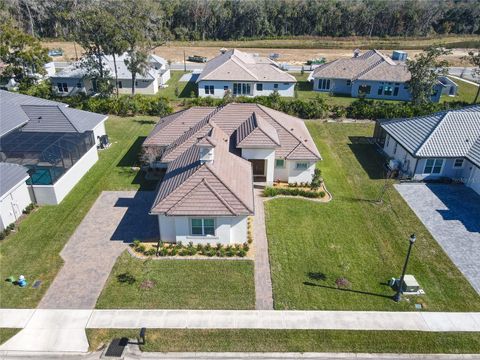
[301, 166]
[202, 227]
[433, 166]
[279, 163]
[242, 89]
[209, 90]
[323, 84]
[62, 87]
[458, 163]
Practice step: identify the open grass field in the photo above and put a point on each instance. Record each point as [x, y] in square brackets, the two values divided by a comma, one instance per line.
[34, 249]
[313, 244]
[466, 92]
[180, 284]
[178, 90]
[299, 50]
[168, 340]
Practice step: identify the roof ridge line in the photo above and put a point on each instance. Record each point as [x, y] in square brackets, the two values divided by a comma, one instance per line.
[263, 131]
[66, 117]
[435, 129]
[242, 65]
[226, 186]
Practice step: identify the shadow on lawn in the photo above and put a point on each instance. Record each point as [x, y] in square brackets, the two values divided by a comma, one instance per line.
[368, 156]
[322, 277]
[131, 160]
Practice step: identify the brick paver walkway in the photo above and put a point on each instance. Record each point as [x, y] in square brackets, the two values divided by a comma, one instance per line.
[116, 218]
[452, 215]
[263, 280]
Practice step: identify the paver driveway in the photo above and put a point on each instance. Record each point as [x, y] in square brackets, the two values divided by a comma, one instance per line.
[116, 218]
[452, 215]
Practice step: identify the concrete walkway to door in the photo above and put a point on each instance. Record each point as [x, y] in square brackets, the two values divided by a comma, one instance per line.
[113, 221]
[263, 280]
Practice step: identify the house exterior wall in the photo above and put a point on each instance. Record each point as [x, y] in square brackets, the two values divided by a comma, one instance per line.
[284, 89]
[147, 87]
[337, 86]
[54, 194]
[259, 154]
[403, 93]
[13, 203]
[407, 161]
[86, 86]
[473, 177]
[164, 77]
[300, 176]
[98, 132]
[228, 230]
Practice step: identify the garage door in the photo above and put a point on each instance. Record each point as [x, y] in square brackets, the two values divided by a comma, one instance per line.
[474, 181]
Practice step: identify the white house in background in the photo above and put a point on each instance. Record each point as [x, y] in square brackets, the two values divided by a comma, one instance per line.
[243, 74]
[74, 78]
[212, 157]
[14, 195]
[371, 75]
[441, 145]
[57, 144]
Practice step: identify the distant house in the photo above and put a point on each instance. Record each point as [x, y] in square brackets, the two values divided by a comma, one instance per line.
[441, 145]
[243, 74]
[14, 195]
[212, 157]
[371, 75]
[75, 79]
[56, 144]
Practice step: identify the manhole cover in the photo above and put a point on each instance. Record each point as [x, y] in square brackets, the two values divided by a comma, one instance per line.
[116, 347]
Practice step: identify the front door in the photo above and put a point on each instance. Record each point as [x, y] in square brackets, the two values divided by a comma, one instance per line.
[258, 167]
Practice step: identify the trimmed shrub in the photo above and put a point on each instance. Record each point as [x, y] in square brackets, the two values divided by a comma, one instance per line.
[271, 191]
[150, 252]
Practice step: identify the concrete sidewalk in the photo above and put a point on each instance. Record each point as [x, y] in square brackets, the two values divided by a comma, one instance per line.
[64, 330]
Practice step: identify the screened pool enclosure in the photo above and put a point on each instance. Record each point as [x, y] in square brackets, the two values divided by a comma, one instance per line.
[47, 155]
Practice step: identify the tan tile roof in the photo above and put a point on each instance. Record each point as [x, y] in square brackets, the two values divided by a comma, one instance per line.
[235, 65]
[372, 65]
[255, 132]
[224, 186]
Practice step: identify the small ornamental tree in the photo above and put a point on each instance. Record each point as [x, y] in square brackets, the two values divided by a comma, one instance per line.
[424, 70]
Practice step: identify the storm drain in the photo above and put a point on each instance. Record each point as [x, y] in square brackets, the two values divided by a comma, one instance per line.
[116, 347]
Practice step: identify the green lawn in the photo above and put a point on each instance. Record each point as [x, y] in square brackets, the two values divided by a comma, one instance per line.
[180, 284]
[163, 340]
[314, 244]
[466, 92]
[304, 89]
[34, 250]
[183, 89]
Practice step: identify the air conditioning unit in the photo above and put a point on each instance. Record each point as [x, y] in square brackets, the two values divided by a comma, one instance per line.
[394, 164]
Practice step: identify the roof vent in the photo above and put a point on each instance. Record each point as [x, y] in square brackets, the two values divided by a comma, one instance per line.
[223, 50]
[356, 53]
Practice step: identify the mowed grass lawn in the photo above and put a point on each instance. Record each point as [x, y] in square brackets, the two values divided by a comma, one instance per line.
[262, 340]
[180, 284]
[313, 244]
[34, 249]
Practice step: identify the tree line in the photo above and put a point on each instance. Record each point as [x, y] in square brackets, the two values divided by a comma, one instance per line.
[240, 19]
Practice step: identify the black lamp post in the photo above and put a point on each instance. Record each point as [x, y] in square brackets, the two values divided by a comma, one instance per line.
[400, 284]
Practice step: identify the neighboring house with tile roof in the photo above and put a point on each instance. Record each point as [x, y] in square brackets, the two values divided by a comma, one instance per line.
[371, 75]
[14, 195]
[75, 79]
[442, 145]
[55, 143]
[243, 74]
[212, 157]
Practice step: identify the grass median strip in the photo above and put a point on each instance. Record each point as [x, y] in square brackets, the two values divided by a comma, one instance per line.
[7, 333]
[256, 340]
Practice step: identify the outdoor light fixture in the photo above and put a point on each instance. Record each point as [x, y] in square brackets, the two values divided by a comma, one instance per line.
[397, 296]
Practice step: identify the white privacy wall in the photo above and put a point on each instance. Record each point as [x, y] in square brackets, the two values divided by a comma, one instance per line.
[228, 230]
[13, 203]
[54, 194]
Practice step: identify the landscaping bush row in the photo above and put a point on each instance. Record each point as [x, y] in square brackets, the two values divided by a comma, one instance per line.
[317, 107]
[292, 191]
[179, 249]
